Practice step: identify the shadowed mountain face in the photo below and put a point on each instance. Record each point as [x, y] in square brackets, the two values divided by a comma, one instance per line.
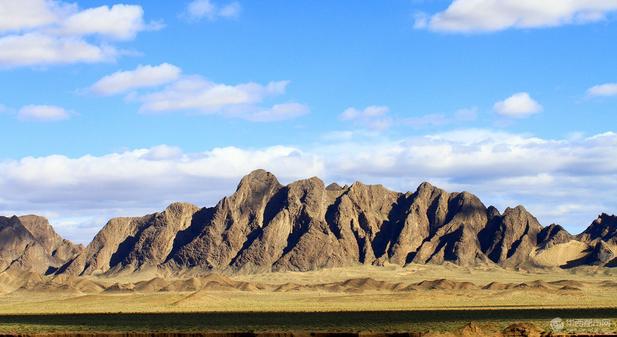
[265, 226]
[603, 228]
[29, 243]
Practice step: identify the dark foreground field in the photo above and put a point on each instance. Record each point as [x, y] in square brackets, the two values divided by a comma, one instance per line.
[420, 321]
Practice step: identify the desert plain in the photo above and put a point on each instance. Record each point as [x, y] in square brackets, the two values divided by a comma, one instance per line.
[363, 288]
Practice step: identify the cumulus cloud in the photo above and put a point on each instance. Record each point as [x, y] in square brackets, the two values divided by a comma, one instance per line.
[374, 117]
[606, 89]
[199, 9]
[42, 113]
[279, 112]
[197, 93]
[42, 32]
[519, 105]
[40, 49]
[121, 22]
[470, 16]
[563, 180]
[143, 76]
[24, 14]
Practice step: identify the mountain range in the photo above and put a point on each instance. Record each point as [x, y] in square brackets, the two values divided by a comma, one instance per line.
[265, 226]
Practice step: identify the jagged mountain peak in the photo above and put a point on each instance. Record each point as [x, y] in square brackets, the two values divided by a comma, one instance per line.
[492, 211]
[606, 217]
[29, 243]
[426, 190]
[603, 228]
[361, 190]
[258, 178]
[265, 226]
[304, 184]
[253, 191]
[334, 187]
[519, 209]
[553, 235]
[177, 207]
[16, 229]
[425, 185]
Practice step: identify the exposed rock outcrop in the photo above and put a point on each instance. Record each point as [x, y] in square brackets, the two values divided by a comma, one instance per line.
[511, 237]
[603, 228]
[553, 235]
[29, 243]
[265, 226]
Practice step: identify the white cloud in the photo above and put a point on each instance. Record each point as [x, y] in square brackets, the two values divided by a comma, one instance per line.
[198, 9]
[368, 112]
[606, 89]
[197, 93]
[121, 22]
[44, 32]
[278, 112]
[374, 117]
[504, 169]
[201, 8]
[519, 105]
[26, 14]
[40, 49]
[231, 10]
[495, 15]
[42, 113]
[142, 77]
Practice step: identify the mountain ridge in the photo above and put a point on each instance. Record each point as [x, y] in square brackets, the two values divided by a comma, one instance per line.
[265, 226]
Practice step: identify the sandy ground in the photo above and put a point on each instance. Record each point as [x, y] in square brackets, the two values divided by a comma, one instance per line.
[342, 289]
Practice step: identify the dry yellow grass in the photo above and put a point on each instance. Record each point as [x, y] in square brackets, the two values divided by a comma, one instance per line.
[590, 293]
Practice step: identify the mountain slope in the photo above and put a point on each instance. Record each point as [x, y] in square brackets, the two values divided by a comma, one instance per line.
[265, 226]
[29, 244]
[603, 228]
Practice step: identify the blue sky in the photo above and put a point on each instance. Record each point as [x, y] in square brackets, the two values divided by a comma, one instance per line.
[115, 108]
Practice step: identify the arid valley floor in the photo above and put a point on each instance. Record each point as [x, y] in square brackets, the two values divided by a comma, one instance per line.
[391, 298]
[339, 289]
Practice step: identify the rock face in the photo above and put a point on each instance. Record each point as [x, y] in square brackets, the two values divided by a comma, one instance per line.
[511, 237]
[134, 243]
[59, 248]
[265, 226]
[603, 228]
[29, 243]
[553, 235]
[601, 236]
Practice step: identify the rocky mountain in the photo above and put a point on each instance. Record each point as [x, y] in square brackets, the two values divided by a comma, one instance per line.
[265, 226]
[29, 243]
[553, 235]
[604, 228]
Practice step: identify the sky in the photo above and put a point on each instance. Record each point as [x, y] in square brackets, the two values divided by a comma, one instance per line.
[119, 108]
